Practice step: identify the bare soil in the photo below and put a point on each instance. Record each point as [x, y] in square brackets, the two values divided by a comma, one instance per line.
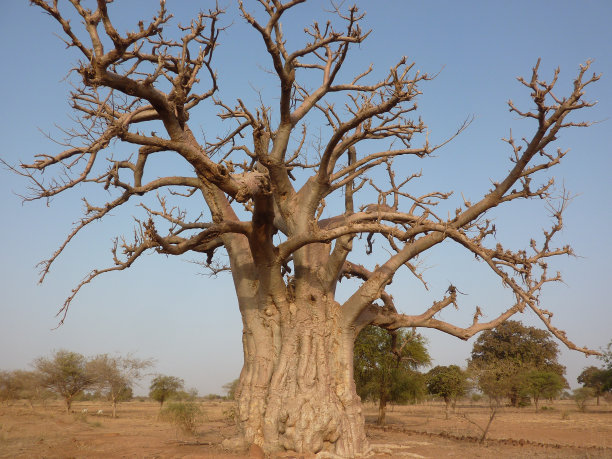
[412, 431]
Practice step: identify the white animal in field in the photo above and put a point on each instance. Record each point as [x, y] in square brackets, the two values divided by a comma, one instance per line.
[100, 412]
[84, 411]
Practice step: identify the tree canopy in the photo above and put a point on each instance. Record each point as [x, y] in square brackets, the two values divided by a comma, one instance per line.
[448, 382]
[599, 380]
[163, 387]
[502, 357]
[543, 384]
[65, 373]
[606, 356]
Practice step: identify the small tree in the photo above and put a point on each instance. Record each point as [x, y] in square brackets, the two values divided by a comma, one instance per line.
[189, 395]
[115, 376]
[581, 396]
[493, 380]
[65, 373]
[449, 382]
[385, 366]
[231, 388]
[503, 356]
[163, 387]
[545, 384]
[8, 388]
[29, 387]
[599, 380]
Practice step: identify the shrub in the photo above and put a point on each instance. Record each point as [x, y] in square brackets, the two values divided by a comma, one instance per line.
[186, 416]
[231, 415]
[581, 396]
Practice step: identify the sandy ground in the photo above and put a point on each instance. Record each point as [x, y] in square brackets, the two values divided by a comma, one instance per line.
[419, 431]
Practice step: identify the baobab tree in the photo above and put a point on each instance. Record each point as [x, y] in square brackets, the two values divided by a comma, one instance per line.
[286, 190]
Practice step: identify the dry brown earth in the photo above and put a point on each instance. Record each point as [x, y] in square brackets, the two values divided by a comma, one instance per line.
[412, 431]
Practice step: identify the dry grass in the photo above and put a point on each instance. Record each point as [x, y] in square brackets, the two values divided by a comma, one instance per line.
[412, 431]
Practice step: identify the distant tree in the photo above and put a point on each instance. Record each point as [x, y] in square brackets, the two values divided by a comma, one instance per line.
[581, 396]
[65, 373]
[188, 395]
[8, 387]
[543, 384]
[115, 376]
[29, 387]
[385, 365]
[599, 380]
[607, 356]
[449, 382]
[163, 387]
[504, 355]
[231, 388]
[495, 381]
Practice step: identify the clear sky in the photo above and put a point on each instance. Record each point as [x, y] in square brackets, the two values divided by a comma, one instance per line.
[163, 307]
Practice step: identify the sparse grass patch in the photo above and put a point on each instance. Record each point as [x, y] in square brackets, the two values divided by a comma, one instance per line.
[80, 417]
[186, 416]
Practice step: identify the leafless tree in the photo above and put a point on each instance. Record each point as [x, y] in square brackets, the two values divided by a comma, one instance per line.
[265, 182]
[114, 375]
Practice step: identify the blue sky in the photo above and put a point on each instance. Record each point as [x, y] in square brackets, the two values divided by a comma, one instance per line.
[165, 308]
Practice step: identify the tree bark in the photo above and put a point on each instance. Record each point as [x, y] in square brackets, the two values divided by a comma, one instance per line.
[382, 409]
[296, 388]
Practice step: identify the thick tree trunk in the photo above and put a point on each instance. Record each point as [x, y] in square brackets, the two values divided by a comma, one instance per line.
[296, 388]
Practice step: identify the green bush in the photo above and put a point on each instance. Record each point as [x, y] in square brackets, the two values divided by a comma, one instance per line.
[184, 415]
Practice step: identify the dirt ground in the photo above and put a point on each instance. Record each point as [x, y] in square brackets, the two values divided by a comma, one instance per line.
[419, 431]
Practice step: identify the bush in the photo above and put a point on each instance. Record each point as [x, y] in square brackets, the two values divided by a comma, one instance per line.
[186, 416]
[231, 415]
[581, 396]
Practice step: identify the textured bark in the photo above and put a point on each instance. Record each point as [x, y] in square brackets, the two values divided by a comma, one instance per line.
[296, 387]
